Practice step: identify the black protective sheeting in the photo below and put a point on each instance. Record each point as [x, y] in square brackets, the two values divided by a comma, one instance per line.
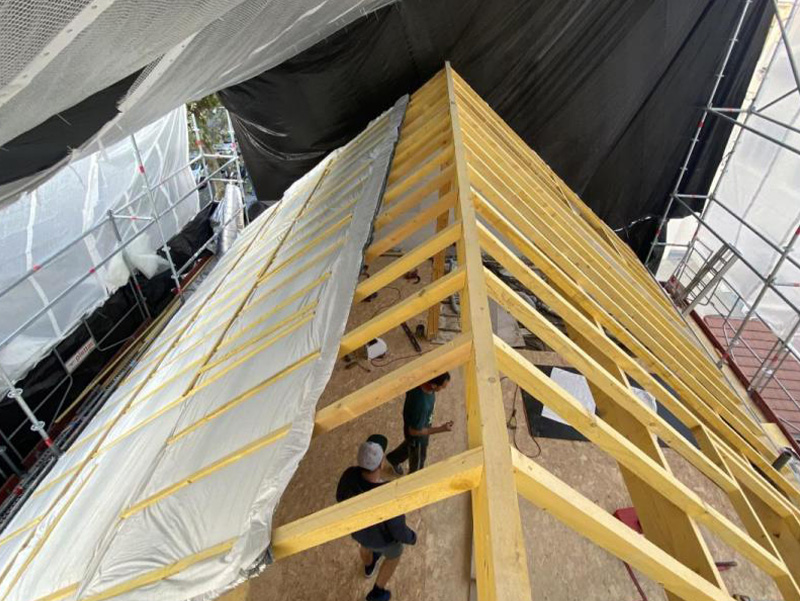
[540, 426]
[46, 144]
[607, 91]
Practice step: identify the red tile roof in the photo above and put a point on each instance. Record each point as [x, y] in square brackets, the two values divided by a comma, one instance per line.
[754, 344]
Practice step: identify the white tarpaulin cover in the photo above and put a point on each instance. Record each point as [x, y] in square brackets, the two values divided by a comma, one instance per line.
[71, 203]
[55, 54]
[169, 492]
[761, 186]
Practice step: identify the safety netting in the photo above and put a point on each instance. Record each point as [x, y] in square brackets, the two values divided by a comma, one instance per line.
[53, 55]
[760, 186]
[169, 492]
[756, 199]
[61, 235]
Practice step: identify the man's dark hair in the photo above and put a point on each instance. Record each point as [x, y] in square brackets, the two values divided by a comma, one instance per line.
[440, 380]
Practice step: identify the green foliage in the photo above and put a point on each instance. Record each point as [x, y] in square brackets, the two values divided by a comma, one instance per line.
[211, 121]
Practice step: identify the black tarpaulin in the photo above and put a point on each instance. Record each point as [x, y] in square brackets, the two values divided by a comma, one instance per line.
[46, 144]
[608, 92]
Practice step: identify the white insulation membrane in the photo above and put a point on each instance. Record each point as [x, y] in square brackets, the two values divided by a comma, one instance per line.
[71, 203]
[169, 493]
[761, 186]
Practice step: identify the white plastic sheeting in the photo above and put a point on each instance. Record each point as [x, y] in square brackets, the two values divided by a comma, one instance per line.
[75, 200]
[55, 54]
[761, 186]
[169, 492]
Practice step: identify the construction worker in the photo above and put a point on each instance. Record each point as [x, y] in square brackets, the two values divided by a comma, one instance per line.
[385, 539]
[417, 425]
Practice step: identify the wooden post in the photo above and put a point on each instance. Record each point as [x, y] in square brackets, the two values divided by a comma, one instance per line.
[500, 558]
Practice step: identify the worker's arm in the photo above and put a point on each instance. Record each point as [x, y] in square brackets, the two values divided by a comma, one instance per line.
[445, 427]
[400, 532]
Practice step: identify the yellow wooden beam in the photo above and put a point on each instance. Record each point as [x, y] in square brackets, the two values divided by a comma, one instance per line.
[624, 451]
[662, 522]
[629, 335]
[162, 573]
[747, 513]
[412, 374]
[400, 233]
[434, 163]
[407, 262]
[596, 367]
[500, 558]
[413, 198]
[544, 490]
[442, 480]
[402, 311]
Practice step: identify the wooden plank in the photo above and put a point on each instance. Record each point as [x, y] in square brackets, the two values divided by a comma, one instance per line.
[721, 393]
[493, 175]
[412, 199]
[569, 274]
[162, 573]
[412, 374]
[501, 146]
[434, 163]
[437, 270]
[407, 262]
[662, 522]
[442, 480]
[605, 356]
[544, 490]
[628, 454]
[534, 161]
[752, 521]
[410, 226]
[500, 558]
[402, 311]
[784, 539]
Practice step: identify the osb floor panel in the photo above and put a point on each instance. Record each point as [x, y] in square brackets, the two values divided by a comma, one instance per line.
[563, 565]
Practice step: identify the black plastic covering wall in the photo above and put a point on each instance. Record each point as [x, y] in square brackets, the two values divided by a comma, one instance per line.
[608, 92]
[47, 143]
[49, 389]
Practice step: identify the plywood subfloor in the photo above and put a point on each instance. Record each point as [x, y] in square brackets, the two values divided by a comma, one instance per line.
[563, 565]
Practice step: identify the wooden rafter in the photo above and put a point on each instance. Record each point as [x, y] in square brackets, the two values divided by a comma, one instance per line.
[455, 154]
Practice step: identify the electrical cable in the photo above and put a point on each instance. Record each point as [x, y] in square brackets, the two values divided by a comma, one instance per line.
[390, 361]
[385, 305]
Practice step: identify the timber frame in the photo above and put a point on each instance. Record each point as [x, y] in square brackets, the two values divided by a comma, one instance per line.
[508, 204]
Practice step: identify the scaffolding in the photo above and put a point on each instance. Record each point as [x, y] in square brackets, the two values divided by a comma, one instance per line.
[229, 171]
[699, 257]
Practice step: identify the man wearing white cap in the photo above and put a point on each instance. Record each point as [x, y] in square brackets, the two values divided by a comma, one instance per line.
[385, 539]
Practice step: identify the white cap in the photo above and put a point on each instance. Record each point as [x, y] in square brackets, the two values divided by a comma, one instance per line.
[370, 455]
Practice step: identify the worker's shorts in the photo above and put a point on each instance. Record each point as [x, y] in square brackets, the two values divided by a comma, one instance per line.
[392, 551]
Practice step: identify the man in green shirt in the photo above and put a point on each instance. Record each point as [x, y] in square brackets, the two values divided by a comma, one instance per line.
[417, 425]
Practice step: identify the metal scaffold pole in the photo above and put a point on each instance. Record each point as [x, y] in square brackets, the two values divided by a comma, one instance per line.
[768, 284]
[37, 425]
[154, 207]
[701, 124]
[137, 289]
